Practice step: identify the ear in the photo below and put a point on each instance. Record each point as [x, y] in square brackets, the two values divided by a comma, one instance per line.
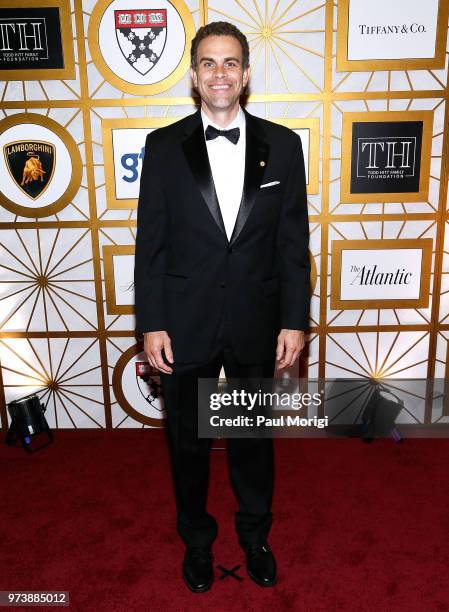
[194, 77]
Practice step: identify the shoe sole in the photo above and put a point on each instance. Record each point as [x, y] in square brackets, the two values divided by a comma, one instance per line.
[260, 582]
[200, 590]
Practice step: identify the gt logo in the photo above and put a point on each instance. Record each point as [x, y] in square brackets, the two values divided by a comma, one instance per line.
[130, 162]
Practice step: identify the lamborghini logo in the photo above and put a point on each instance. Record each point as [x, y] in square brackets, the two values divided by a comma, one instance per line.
[31, 164]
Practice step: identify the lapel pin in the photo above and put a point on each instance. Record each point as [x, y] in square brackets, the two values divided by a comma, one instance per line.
[262, 163]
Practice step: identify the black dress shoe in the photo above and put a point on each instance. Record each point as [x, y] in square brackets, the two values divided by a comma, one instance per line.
[261, 564]
[197, 569]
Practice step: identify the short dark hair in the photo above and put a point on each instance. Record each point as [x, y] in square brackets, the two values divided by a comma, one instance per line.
[219, 28]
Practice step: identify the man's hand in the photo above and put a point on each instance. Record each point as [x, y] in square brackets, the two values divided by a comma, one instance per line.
[289, 347]
[153, 343]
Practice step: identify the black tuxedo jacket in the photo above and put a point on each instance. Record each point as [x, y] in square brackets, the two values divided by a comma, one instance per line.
[188, 274]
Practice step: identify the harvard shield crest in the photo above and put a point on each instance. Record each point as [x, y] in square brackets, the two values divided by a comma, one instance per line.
[141, 35]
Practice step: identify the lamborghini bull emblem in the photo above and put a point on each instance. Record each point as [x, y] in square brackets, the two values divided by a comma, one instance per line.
[33, 170]
[31, 164]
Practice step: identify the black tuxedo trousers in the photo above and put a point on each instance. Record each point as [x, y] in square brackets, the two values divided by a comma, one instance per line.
[250, 461]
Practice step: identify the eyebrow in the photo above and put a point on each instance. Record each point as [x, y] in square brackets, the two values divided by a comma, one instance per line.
[227, 59]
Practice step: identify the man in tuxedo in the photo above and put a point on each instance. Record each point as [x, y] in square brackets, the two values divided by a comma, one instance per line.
[221, 279]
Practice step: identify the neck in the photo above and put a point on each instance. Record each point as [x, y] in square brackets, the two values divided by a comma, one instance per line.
[221, 117]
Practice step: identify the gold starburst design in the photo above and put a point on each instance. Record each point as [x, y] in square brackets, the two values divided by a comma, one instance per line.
[286, 43]
[64, 372]
[46, 281]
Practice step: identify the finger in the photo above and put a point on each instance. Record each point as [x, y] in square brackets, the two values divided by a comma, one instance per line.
[163, 368]
[150, 360]
[288, 355]
[160, 365]
[294, 358]
[167, 350]
[280, 348]
[149, 356]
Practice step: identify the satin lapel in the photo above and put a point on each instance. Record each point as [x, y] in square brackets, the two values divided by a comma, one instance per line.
[196, 154]
[256, 158]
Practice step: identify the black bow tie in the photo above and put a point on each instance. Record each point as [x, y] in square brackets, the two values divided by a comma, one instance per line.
[232, 135]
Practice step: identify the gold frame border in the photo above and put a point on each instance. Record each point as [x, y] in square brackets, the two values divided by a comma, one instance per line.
[345, 65]
[117, 374]
[107, 126]
[109, 252]
[77, 166]
[126, 86]
[49, 74]
[338, 246]
[313, 125]
[346, 196]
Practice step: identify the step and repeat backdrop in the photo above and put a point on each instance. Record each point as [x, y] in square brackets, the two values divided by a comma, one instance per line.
[364, 83]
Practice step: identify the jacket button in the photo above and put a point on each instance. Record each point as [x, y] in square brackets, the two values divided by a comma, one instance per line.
[230, 249]
[223, 285]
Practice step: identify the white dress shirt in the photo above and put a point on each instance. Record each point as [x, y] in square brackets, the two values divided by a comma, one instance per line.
[227, 162]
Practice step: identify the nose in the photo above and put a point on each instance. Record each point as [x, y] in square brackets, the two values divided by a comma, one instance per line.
[219, 71]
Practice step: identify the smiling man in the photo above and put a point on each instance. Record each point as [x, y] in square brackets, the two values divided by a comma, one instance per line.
[221, 279]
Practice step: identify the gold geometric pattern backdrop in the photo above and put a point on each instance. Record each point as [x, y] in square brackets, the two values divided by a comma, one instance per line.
[365, 85]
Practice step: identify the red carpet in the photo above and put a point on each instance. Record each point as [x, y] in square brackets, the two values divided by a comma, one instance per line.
[357, 527]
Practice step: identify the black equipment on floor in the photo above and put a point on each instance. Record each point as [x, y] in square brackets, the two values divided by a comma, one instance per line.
[27, 420]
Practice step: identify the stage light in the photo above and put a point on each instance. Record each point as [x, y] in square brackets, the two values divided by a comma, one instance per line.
[27, 420]
[366, 403]
[380, 414]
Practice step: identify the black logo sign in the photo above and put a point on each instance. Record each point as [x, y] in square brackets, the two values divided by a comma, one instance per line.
[30, 38]
[141, 35]
[31, 164]
[386, 157]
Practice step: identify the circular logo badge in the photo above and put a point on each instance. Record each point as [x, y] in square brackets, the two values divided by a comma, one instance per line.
[40, 165]
[137, 387]
[138, 49]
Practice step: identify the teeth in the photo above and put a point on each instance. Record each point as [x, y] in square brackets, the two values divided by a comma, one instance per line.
[220, 86]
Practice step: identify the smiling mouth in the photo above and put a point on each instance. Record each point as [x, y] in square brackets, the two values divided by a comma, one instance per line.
[219, 87]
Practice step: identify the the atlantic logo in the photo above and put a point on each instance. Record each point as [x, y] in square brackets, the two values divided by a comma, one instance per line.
[370, 275]
[381, 273]
[414, 28]
[142, 36]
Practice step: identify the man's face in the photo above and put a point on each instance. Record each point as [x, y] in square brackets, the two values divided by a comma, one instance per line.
[219, 76]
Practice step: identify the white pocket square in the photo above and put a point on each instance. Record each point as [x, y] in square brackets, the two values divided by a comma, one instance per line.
[270, 184]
